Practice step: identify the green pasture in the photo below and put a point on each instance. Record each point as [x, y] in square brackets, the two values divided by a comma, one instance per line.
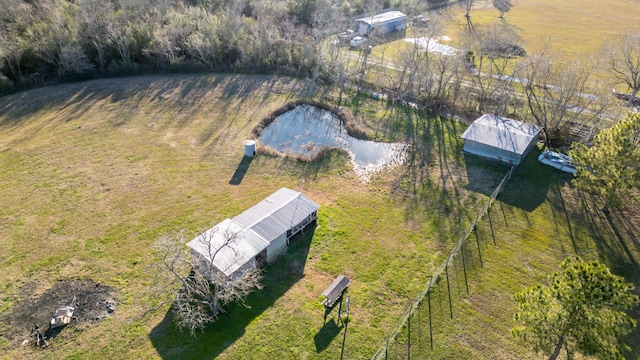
[576, 29]
[570, 31]
[92, 173]
[536, 222]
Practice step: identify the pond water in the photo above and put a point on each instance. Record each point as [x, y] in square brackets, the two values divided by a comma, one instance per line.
[307, 130]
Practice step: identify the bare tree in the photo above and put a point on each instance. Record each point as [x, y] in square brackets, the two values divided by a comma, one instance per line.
[94, 18]
[119, 35]
[74, 63]
[503, 6]
[200, 286]
[623, 57]
[11, 52]
[559, 96]
[203, 41]
[433, 70]
[16, 19]
[53, 29]
[491, 62]
[468, 5]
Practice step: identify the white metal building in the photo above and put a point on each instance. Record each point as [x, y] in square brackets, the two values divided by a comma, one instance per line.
[260, 232]
[500, 138]
[383, 23]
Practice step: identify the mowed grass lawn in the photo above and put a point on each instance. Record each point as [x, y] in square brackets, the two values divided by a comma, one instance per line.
[538, 220]
[93, 173]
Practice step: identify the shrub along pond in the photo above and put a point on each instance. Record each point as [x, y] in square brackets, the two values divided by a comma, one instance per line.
[306, 131]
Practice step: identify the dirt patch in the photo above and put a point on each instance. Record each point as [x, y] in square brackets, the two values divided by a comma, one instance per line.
[93, 303]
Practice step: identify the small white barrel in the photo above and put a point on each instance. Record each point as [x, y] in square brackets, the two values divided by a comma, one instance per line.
[249, 148]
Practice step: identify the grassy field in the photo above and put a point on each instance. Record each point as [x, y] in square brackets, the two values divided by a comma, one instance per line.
[537, 221]
[576, 29]
[92, 173]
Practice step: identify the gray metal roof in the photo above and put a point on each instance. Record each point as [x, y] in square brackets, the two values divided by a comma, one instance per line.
[381, 18]
[336, 288]
[228, 246]
[276, 214]
[253, 230]
[502, 133]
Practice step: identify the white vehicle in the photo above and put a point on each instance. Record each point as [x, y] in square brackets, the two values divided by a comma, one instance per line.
[357, 42]
[557, 160]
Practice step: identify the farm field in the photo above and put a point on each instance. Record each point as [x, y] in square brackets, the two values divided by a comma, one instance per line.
[575, 29]
[567, 31]
[538, 220]
[93, 173]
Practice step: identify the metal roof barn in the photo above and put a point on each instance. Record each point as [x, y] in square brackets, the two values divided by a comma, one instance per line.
[500, 138]
[262, 231]
[228, 255]
[382, 23]
[276, 214]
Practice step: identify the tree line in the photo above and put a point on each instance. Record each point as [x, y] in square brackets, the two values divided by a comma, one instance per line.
[58, 40]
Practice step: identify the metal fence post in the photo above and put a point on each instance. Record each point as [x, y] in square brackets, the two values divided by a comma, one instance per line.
[409, 332]
[386, 349]
[464, 267]
[446, 271]
[475, 230]
[430, 326]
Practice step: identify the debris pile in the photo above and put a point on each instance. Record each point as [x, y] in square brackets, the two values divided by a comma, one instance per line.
[39, 319]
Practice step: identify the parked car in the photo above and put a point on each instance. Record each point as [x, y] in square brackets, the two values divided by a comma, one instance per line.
[420, 21]
[348, 35]
[358, 42]
[557, 160]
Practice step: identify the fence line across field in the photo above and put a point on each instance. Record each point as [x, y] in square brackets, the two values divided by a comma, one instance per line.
[434, 279]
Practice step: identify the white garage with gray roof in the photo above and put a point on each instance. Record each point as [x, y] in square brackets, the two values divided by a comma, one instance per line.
[500, 138]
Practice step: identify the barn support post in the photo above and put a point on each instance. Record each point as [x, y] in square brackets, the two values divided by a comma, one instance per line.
[464, 266]
[446, 271]
[475, 230]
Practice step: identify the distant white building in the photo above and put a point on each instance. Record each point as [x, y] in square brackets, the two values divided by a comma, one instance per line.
[381, 24]
[261, 232]
[500, 138]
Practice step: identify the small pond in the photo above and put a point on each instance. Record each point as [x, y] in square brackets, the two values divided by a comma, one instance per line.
[306, 130]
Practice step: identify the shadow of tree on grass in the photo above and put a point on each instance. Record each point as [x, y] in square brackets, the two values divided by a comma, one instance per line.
[278, 278]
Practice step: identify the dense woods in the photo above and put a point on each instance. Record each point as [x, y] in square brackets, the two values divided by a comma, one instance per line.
[61, 40]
